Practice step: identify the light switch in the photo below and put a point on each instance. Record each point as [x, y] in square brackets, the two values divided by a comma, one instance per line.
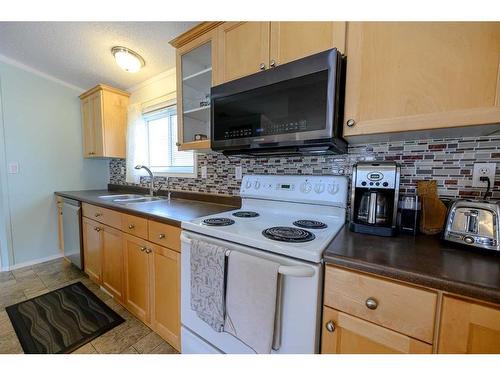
[13, 168]
[204, 171]
[238, 173]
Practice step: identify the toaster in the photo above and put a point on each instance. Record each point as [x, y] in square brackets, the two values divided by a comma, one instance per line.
[474, 223]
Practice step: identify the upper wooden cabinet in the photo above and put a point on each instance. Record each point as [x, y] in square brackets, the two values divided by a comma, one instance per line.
[249, 47]
[294, 40]
[104, 122]
[243, 49]
[469, 327]
[404, 76]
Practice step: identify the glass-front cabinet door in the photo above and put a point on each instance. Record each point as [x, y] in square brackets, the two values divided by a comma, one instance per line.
[195, 64]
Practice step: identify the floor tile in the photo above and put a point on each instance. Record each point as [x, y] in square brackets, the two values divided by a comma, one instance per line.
[130, 350]
[164, 348]
[148, 343]
[85, 349]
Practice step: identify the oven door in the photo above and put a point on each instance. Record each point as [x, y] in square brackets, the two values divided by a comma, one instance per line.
[295, 104]
[298, 322]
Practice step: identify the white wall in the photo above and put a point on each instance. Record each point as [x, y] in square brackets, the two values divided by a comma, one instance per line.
[159, 88]
[42, 132]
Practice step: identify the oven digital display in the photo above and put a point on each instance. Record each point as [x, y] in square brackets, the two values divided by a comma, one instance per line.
[285, 186]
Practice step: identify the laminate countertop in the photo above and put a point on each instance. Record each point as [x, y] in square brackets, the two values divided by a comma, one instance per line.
[423, 260]
[171, 212]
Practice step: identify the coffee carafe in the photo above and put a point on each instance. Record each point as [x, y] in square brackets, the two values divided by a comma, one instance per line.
[375, 190]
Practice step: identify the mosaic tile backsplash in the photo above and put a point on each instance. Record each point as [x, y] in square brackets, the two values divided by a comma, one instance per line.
[448, 161]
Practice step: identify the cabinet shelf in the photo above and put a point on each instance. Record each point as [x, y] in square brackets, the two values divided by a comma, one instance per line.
[200, 113]
[200, 81]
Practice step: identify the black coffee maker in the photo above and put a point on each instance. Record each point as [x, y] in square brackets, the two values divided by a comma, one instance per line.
[374, 198]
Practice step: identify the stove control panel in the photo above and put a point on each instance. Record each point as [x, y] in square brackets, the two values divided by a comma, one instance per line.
[326, 190]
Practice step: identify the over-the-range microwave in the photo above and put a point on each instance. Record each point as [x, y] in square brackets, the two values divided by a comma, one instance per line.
[293, 108]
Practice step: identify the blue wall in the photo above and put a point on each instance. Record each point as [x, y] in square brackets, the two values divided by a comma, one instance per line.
[42, 131]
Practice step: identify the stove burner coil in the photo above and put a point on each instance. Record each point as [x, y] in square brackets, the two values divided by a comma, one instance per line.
[288, 234]
[310, 224]
[218, 221]
[245, 214]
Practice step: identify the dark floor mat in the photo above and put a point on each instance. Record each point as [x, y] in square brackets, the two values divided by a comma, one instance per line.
[62, 320]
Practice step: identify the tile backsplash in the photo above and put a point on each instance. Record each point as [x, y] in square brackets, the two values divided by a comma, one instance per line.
[449, 161]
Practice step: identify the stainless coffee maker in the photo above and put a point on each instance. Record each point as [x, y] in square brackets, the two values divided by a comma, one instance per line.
[374, 198]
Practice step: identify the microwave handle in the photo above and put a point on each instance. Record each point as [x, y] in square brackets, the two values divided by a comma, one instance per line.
[294, 271]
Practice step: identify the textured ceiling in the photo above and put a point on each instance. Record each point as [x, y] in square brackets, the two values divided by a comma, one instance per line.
[79, 53]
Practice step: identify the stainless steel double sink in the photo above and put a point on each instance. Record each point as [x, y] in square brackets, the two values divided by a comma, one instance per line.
[131, 198]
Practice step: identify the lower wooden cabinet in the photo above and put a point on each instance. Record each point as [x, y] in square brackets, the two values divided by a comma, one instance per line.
[92, 249]
[346, 334]
[469, 327]
[137, 276]
[112, 262]
[165, 316]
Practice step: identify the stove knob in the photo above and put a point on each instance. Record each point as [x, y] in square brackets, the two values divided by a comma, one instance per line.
[333, 188]
[319, 188]
[469, 240]
[257, 185]
[248, 185]
[305, 187]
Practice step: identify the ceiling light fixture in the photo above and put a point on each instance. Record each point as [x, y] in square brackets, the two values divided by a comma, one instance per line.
[127, 59]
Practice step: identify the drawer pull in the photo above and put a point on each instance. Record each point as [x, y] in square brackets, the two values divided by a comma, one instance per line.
[161, 236]
[143, 248]
[131, 226]
[330, 326]
[148, 251]
[371, 303]
[97, 214]
[97, 229]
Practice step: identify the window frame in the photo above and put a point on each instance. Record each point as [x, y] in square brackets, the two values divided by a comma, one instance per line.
[164, 171]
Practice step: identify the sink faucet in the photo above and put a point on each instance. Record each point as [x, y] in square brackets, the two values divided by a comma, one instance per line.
[152, 177]
[167, 183]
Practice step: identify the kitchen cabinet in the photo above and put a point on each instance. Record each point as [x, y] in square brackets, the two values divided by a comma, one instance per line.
[420, 76]
[294, 40]
[104, 122]
[243, 49]
[166, 294]
[196, 74]
[469, 327]
[112, 262]
[345, 334]
[92, 249]
[137, 276]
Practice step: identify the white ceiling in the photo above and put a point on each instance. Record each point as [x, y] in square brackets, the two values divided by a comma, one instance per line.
[79, 53]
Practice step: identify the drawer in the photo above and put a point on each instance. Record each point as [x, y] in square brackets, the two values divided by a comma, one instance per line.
[135, 225]
[402, 308]
[165, 235]
[102, 215]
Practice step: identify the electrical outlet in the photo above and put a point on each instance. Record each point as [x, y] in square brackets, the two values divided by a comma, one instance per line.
[483, 170]
[122, 170]
[13, 168]
[238, 174]
[204, 171]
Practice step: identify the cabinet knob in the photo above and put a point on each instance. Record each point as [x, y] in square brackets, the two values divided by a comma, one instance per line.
[131, 226]
[143, 248]
[351, 123]
[177, 144]
[262, 66]
[148, 251]
[330, 326]
[97, 214]
[97, 229]
[91, 153]
[161, 236]
[371, 303]
[272, 63]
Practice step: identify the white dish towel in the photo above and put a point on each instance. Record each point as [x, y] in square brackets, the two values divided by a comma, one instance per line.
[251, 300]
[207, 282]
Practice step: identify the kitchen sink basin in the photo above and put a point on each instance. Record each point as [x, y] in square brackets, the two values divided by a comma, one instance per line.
[141, 199]
[113, 197]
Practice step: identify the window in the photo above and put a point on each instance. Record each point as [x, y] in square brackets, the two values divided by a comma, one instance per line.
[163, 156]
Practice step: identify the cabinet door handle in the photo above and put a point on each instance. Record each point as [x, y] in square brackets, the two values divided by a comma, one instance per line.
[330, 326]
[177, 144]
[97, 229]
[262, 66]
[131, 226]
[371, 303]
[97, 214]
[91, 153]
[143, 248]
[161, 236]
[148, 251]
[351, 123]
[272, 64]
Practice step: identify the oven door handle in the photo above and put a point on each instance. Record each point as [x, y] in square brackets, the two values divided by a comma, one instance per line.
[294, 271]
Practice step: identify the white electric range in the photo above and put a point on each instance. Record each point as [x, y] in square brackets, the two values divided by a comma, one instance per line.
[287, 219]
